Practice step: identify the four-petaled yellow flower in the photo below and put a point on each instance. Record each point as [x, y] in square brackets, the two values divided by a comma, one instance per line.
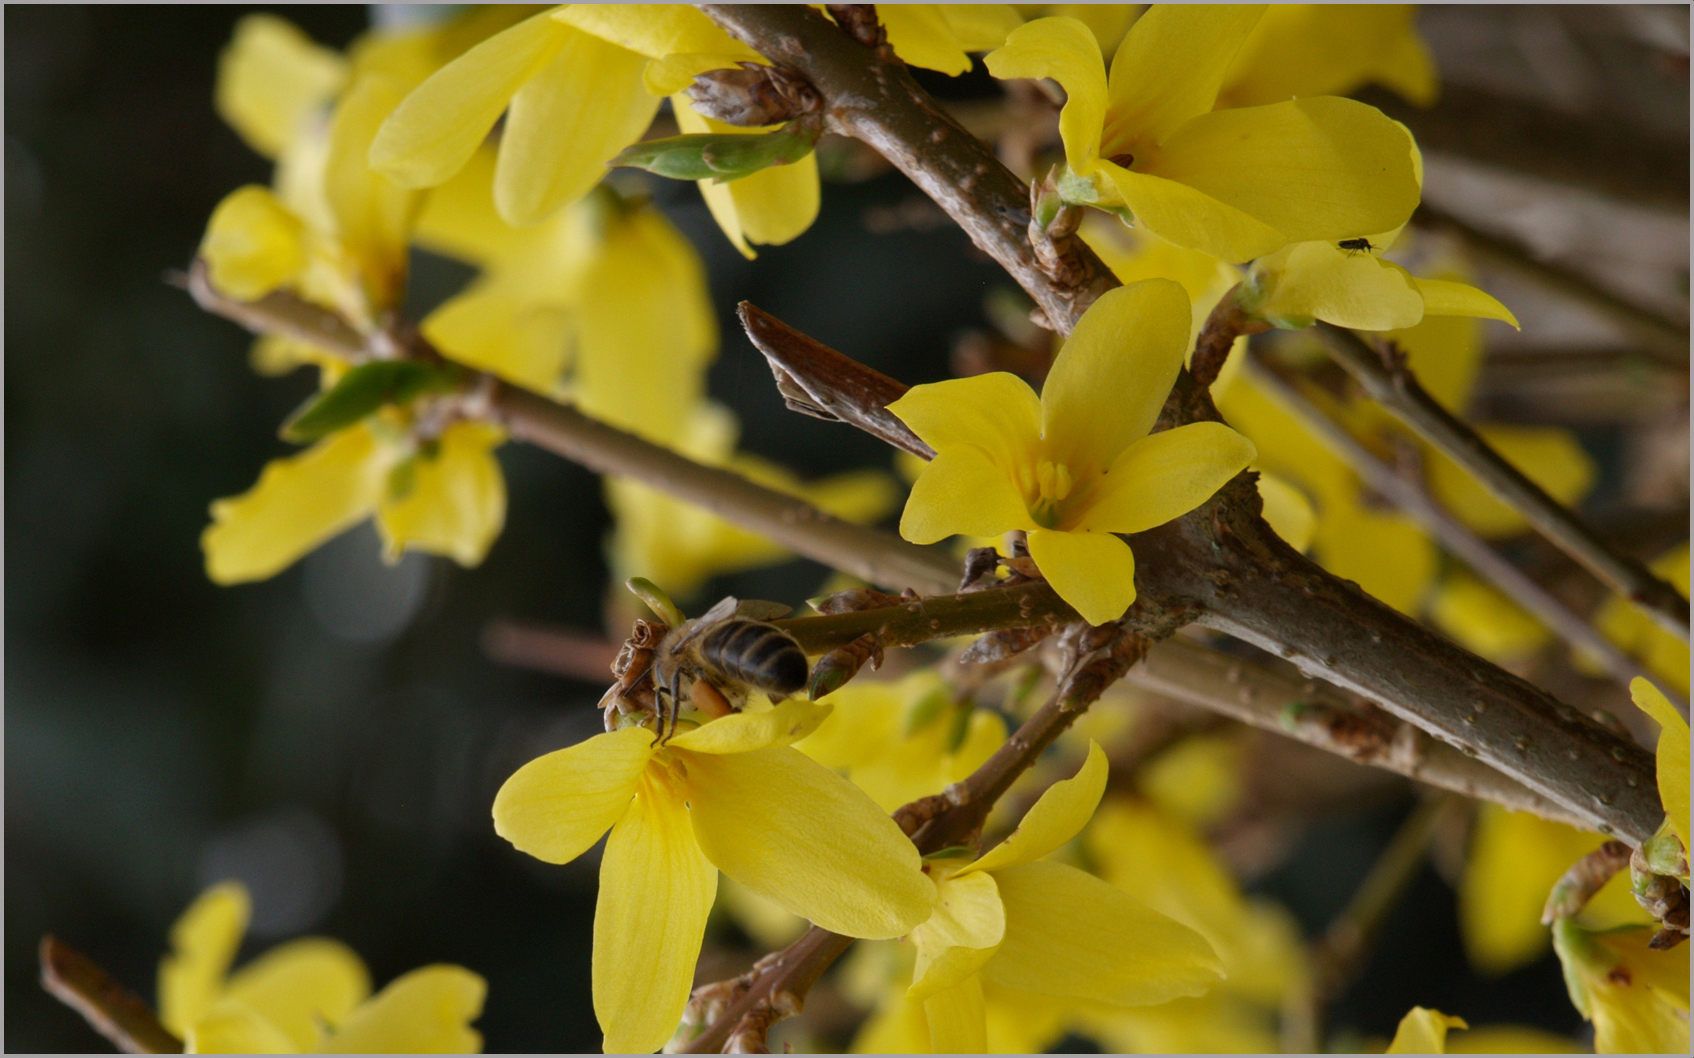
[1236, 183]
[1078, 464]
[307, 995]
[731, 795]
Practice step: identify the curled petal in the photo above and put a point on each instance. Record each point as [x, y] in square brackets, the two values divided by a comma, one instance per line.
[203, 944]
[1349, 288]
[1166, 475]
[1071, 934]
[1442, 297]
[253, 244]
[1094, 572]
[1114, 373]
[556, 806]
[1058, 816]
[784, 725]
[791, 830]
[962, 934]
[656, 888]
[1064, 49]
[1424, 1031]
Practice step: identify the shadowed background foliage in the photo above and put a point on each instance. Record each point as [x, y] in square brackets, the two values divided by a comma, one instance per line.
[334, 736]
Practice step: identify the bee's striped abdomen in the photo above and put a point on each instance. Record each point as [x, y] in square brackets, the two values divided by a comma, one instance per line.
[754, 653]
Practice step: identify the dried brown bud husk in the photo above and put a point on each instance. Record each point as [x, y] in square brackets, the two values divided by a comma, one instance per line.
[1005, 643]
[752, 95]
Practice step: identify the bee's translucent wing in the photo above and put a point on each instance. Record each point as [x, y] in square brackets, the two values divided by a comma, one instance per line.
[761, 610]
[722, 610]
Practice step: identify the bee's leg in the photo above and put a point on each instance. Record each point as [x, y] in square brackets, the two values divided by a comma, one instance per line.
[676, 704]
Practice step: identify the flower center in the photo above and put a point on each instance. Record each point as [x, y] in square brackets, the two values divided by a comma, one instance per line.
[1053, 483]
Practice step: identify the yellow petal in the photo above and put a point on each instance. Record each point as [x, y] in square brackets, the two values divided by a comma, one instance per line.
[1349, 288]
[784, 725]
[654, 30]
[427, 1011]
[458, 217]
[556, 806]
[1192, 219]
[1058, 816]
[1070, 934]
[1445, 353]
[996, 412]
[1319, 168]
[1673, 760]
[1424, 1031]
[1065, 50]
[979, 27]
[1549, 456]
[920, 35]
[962, 934]
[253, 244]
[440, 125]
[298, 503]
[1485, 621]
[493, 328]
[271, 77]
[771, 207]
[1113, 374]
[373, 214]
[203, 944]
[1166, 475]
[1388, 554]
[302, 986]
[1445, 298]
[1511, 1039]
[457, 502]
[957, 1019]
[235, 1028]
[587, 104]
[656, 888]
[1302, 50]
[963, 491]
[791, 830]
[1288, 511]
[1168, 69]
[1094, 572]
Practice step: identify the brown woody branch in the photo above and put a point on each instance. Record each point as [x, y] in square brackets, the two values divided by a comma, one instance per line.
[1410, 496]
[109, 1008]
[1222, 561]
[1387, 380]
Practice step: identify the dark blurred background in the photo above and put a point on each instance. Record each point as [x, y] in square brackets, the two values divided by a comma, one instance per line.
[334, 736]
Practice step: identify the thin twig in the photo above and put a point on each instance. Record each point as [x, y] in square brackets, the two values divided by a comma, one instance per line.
[1645, 325]
[1227, 322]
[1410, 496]
[1387, 380]
[109, 1008]
[1587, 876]
[578, 655]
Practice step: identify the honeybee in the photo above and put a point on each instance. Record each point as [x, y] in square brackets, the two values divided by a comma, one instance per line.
[714, 659]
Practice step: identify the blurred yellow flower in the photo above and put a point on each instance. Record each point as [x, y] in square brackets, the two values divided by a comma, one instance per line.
[1672, 754]
[902, 740]
[1624, 623]
[730, 795]
[1076, 465]
[1636, 997]
[1237, 184]
[1015, 918]
[308, 995]
[1484, 621]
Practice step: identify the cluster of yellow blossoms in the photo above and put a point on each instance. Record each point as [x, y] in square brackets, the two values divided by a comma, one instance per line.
[1215, 155]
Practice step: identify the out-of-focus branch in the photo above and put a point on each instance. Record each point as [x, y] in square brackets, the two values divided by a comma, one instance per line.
[1612, 158]
[110, 1009]
[1648, 326]
[278, 313]
[1317, 714]
[1409, 496]
[1387, 380]
[580, 656]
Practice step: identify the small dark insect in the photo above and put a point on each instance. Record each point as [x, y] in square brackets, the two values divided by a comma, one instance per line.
[722, 654]
[1353, 246]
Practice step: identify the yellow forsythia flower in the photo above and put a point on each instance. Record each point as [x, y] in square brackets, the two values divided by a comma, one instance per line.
[1355, 288]
[1424, 1031]
[1015, 918]
[1672, 754]
[1624, 623]
[731, 795]
[1300, 50]
[1636, 997]
[1515, 858]
[901, 741]
[1237, 184]
[307, 995]
[1077, 464]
